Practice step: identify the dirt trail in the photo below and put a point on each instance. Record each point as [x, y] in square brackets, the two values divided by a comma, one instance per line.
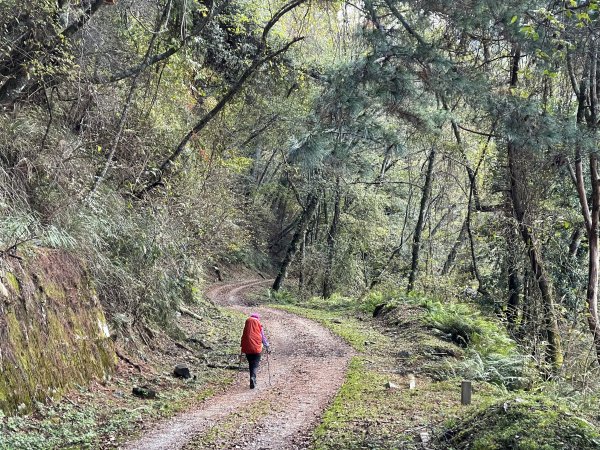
[307, 367]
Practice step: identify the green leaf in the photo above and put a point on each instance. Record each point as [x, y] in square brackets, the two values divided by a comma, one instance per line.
[583, 17]
[514, 19]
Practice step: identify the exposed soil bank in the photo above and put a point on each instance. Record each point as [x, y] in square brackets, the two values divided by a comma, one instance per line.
[53, 334]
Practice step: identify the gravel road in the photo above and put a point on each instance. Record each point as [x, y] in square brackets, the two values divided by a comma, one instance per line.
[307, 367]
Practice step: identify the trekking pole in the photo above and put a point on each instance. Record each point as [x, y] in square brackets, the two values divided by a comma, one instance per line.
[269, 368]
[240, 363]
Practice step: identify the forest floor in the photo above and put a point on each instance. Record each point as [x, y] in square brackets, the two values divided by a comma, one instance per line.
[337, 378]
[325, 386]
[296, 383]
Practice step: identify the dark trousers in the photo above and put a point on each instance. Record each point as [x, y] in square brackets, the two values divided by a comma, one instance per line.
[253, 361]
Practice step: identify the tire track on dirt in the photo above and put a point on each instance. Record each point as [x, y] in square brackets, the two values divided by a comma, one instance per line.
[307, 367]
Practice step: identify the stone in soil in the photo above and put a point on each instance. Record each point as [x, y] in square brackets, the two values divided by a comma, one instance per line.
[182, 371]
[144, 392]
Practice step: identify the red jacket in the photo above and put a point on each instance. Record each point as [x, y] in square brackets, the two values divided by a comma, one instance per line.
[252, 341]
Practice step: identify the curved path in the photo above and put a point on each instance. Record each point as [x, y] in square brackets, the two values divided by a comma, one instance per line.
[307, 367]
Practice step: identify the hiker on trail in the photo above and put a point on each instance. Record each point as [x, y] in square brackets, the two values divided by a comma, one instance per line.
[253, 340]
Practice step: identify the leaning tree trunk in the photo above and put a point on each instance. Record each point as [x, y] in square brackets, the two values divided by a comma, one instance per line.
[514, 285]
[513, 304]
[307, 214]
[416, 246]
[302, 263]
[454, 250]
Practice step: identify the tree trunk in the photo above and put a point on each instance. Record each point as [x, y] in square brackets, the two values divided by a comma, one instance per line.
[331, 237]
[575, 241]
[526, 309]
[594, 257]
[588, 95]
[301, 286]
[592, 288]
[256, 161]
[416, 247]
[454, 251]
[554, 354]
[593, 213]
[512, 306]
[514, 284]
[312, 203]
[553, 350]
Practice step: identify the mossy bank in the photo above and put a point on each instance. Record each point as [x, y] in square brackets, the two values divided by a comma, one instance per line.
[53, 333]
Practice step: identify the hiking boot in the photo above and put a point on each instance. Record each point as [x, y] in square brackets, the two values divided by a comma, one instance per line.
[252, 383]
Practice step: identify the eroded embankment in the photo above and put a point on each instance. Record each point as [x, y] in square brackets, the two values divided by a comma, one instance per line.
[53, 333]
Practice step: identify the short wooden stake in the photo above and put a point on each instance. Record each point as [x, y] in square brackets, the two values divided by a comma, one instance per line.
[465, 392]
[412, 382]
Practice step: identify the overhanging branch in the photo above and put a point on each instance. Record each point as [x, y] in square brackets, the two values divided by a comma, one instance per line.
[167, 163]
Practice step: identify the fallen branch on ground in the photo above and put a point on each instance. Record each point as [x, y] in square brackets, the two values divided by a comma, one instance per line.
[192, 314]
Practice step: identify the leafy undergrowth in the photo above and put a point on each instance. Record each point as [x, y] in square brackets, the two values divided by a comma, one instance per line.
[485, 351]
[367, 414]
[104, 415]
[436, 345]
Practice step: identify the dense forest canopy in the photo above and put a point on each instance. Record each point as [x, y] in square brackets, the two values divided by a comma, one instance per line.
[448, 148]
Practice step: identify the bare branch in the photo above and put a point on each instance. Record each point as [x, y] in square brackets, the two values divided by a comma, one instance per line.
[85, 17]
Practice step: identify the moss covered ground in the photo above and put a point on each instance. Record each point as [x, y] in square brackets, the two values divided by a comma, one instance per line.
[531, 422]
